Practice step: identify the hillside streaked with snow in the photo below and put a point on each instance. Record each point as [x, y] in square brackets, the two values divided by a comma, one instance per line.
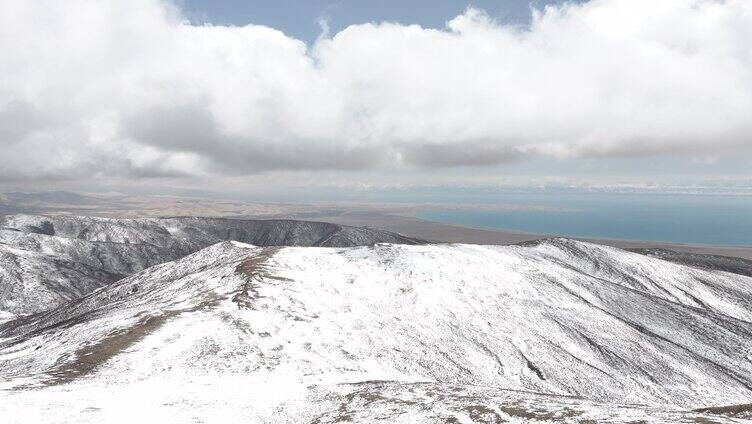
[47, 261]
[299, 334]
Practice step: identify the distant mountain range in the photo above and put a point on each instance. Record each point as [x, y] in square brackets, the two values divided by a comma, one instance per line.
[375, 326]
[46, 261]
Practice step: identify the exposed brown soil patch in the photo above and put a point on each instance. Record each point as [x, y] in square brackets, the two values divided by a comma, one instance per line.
[88, 358]
[483, 414]
[744, 410]
[252, 268]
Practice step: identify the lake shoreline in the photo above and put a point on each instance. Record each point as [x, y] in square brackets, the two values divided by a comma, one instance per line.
[452, 233]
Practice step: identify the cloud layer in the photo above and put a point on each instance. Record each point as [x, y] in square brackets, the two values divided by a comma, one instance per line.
[107, 87]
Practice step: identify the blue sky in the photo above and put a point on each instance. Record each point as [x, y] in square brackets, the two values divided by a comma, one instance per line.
[299, 18]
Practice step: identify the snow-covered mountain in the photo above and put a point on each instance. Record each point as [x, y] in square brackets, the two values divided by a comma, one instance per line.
[193, 231]
[555, 330]
[46, 261]
[700, 260]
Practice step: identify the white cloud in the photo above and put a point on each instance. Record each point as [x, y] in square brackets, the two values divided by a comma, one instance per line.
[129, 88]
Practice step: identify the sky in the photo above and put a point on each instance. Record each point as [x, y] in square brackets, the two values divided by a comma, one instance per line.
[302, 19]
[307, 96]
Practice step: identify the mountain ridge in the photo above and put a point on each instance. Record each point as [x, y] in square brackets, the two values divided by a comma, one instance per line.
[49, 260]
[562, 317]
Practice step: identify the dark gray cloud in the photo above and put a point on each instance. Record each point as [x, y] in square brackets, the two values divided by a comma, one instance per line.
[457, 154]
[193, 129]
[18, 118]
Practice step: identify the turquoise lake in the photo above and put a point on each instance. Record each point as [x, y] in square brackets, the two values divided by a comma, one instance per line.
[702, 219]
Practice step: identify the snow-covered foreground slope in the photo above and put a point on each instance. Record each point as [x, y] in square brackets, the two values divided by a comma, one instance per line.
[46, 261]
[559, 330]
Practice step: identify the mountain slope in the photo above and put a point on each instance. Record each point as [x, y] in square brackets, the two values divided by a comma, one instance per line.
[293, 329]
[711, 262]
[47, 261]
[193, 231]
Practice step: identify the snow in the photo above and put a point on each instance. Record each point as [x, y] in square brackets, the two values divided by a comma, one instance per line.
[6, 316]
[402, 333]
[48, 261]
